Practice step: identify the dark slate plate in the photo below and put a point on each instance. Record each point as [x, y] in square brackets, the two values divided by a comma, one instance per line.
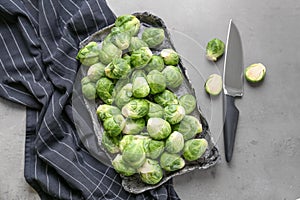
[133, 183]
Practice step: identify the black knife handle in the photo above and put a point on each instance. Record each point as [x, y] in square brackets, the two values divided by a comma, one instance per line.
[230, 125]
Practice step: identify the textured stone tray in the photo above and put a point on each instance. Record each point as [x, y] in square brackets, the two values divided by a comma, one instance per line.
[133, 183]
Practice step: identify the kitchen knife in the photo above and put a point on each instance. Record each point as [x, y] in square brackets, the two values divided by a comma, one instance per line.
[232, 86]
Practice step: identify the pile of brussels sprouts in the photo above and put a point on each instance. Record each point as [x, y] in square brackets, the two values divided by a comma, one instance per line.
[147, 128]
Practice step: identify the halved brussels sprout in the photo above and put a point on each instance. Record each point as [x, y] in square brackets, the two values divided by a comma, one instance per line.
[175, 142]
[96, 71]
[120, 38]
[134, 154]
[171, 162]
[156, 81]
[153, 148]
[213, 84]
[188, 101]
[140, 87]
[114, 125]
[150, 172]
[89, 54]
[136, 108]
[173, 76]
[133, 126]
[122, 167]
[136, 43]
[194, 149]
[108, 52]
[117, 69]
[189, 126]
[104, 89]
[124, 95]
[153, 36]
[170, 56]
[155, 110]
[255, 72]
[214, 49]
[156, 63]
[141, 57]
[105, 111]
[166, 98]
[158, 128]
[174, 113]
[111, 144]
[88, 88]
[128, 23]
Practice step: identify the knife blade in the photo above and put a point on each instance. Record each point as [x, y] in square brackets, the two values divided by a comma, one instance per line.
[232, 86]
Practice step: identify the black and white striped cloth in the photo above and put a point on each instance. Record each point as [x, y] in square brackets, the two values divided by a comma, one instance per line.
[39, 41]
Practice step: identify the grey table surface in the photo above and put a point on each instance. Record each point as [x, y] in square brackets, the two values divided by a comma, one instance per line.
[266, 159]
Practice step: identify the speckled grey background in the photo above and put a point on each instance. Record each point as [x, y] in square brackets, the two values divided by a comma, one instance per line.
[267, 153]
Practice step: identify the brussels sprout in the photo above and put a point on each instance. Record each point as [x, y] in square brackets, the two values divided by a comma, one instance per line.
[150, 172]
[108, 52]
[170, 56]
[104, 89]
[213, 84]
[255, 72]
[153, 36]
[88, 88]
[141, 57]
[119, 85]
[153, 148]
[122, 167]
[174, 113]
[128, 23]
[96, 71]
[120, 38]
[140, 87]
[136, 108]
[171, 162]
[133, 126]
[194, 149]
[136, 43]
[173, 76]
[174, 143]
[124, 95]
[156, 81]
[129, 138]
[188, 127]
[125, 141]
[188, 101]
[134, 154]
[105, 111]
[111, 144]
[117, 69]
[137, 73]
[158, 128]
[155, 110]
[114, 125]
[89, 54]
[156, 63]
[166, 98]
[214, 49]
